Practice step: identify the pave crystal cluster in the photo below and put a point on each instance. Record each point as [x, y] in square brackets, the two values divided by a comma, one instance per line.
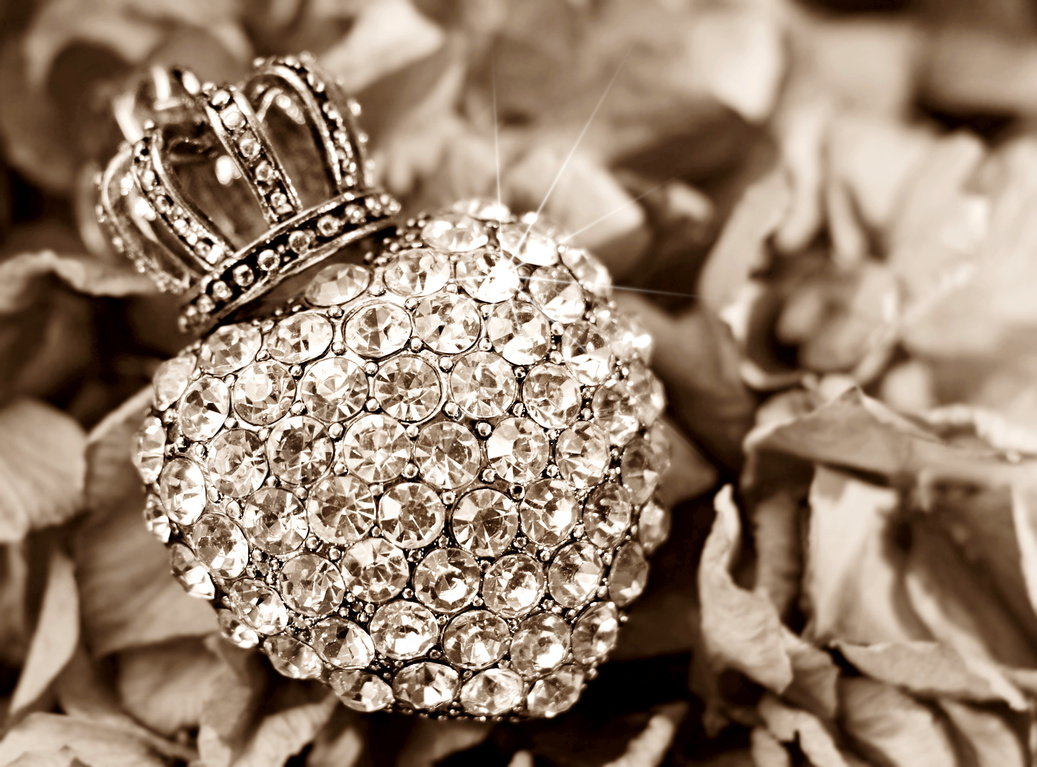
[430, 480]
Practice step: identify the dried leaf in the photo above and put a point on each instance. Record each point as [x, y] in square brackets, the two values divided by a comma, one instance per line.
[54, 735]
[791, 725]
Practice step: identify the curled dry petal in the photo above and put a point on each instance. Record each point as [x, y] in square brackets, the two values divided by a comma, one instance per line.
[430, 741]
[985, 737]
[790, 725]
[55, 736]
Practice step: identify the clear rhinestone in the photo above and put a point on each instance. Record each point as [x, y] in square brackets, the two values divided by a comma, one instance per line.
[236, 463]
[150, 453]
[219, 545]
[454, 233]
[627, 336]
[191, 573]
[263, 392]
[229, 348]
[171, 379]
[557, 293]
[292, 658]
[488, 276]
[492, 693]
[548, 512]
[629, 574]
[235, 631]
[259, 606]
[274, 521]
[591, 273]
[596, 632]
[555, 693]
[586, 353]
[653, 526]
[376, 448]
[552, 398]
[360, 690]
[447, 580]
[343, 644]
[638, 471]
[575, 574]
[660, 443]
[203, 408]
[404, 630]
[527, 244]
[425, 686]
[181, 488]
[299, 449]
[484, 522]
[518, 450]
[333, 389]
[489, 210]
[476, 639]
[447, 454]
[540, 644]
[513, 585]
[582, 454]
[311, 585]
[417, 272]
[338, 284]
[447, 323]
[614, 411]
[408, 388]
[647, 392]
[378, 329]
[519, 332]
[300, 338]
[411, 515]
[156, 521]
[483, 384]
[340, 509]
[607, 514]
[375, 569]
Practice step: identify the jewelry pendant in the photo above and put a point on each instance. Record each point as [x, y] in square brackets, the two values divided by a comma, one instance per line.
[415, 460]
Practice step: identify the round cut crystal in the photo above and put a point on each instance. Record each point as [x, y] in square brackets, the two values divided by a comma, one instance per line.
[552, 398]
[488, 276]
[338, 284]
[235, 631]
[425, 686]
[492, 693]
[408, 388]
[299, 449]
[342, 643]
[586, 353]
[274, 521]
[263, 392]
[181, 488]
[236, 463]
[376, 448]
[190, 572]
[629, 574]
[311, 585]
[591, 273]
[292, 658]
[488, 210]
[417, 272]
[377, 329]
[582, 454]
[341, 509]
[660, 443]
[575, 574]
[171, 379]
[596, 632]
[527, 244]
[548, 512]
[518, 450]
[540, 644]
[411, 515]
[454, 233]
[151, 445]
[628, 337]
[555, 693]
[476, 639]
[333, 389]
[203, 408]
[404, 630]
[513, 585]
[360, 690]
[557, 293]
[220, 545]
[614, 411]
[299, 338]
[484, 522]
[447, 454]
[259, 606]
[447, 323]
[653, 526]
[647, 393]
[447, 580]
[639, 472]
[375, 570]
[519, 332]
[156, 521]
[607, 514]
[483, 384]
[229, 348]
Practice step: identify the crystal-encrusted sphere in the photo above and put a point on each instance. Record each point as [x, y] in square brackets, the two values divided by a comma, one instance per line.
[429, 480]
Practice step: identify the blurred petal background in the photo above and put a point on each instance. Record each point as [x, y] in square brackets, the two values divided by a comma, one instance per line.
[823, 212]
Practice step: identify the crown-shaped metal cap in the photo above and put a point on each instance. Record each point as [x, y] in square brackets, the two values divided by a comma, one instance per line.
[246, 185]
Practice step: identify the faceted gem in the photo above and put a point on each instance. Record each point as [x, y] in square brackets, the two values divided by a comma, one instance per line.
[629, 574]
[586, 353]
[447, 454]
[151, 445]
[596, 632]
[235, 631]
[236, 463]
[259, 606]
[360, 690]
[375, 570]
[220, 545]
[292, 658]
[557, 293]
[488, 276]
[513, 585]
[333, 389]
[527, 244]
[191, 573]
[575, 574]
[484, 522]
[660, 443]
[582, 454]
[263, 392]
[647, 392]
[274, 521]
[476, 639]
[377, 329]
[447, 580]
[591, 273]
[447, 323]
[156, 521]
[482, 384]
[552, 398]
[376, 448]
[300, 338]
[518, 450]
[342, 643]
[614, 411]
[417, 272]
[548, 512]
[203, 408]
[340, 509]
[299, 449]
[171, 379]
[181, 488]
[540, 644]
[653, 526]
[638, 471]
[425, 686]
[628, 337]
[454, 233]
[338, 284]
[488, 210]
[404, 630]
[492, 693]
[411, 515]
[519, 332]
[408, 388]
[607, 513]
[311, 585]
[229, 348]
[555, 693]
